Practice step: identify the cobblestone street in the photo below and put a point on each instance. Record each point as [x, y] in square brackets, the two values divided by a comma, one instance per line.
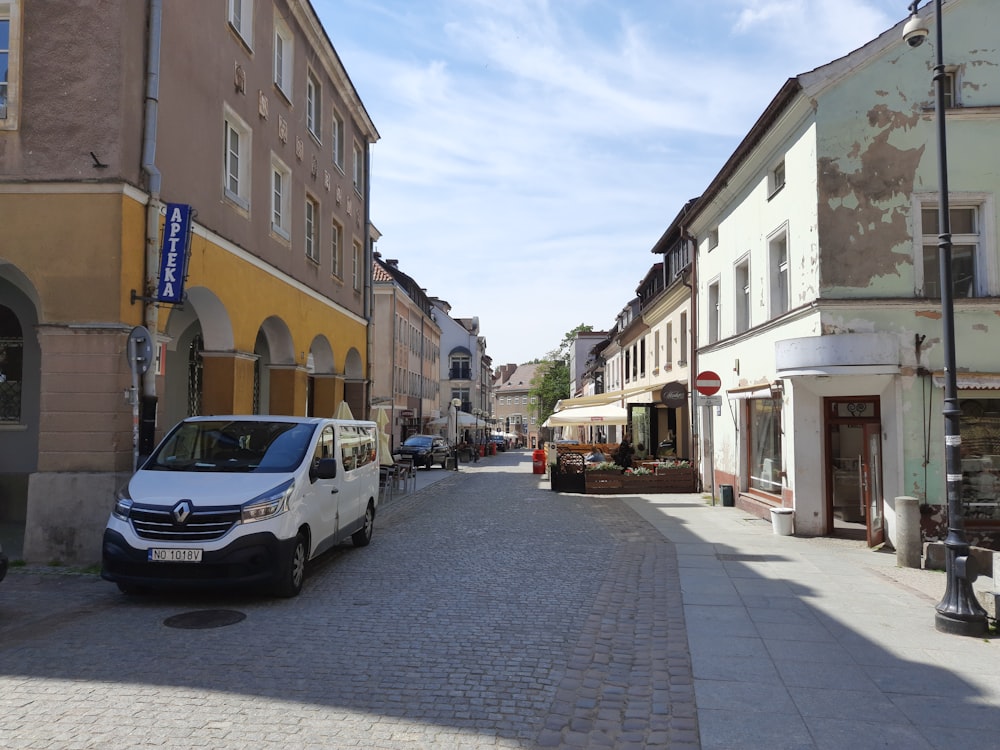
[488, 612]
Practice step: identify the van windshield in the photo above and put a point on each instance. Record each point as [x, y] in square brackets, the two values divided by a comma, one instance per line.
[238, 446]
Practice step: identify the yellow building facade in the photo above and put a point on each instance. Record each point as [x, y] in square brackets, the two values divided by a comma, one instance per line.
[276, 306]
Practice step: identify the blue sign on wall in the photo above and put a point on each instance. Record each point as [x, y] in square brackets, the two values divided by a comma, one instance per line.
[173, 253]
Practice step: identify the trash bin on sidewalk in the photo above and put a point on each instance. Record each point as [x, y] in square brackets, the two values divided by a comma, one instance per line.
[728, 499]
[538, 462]
[781, 521]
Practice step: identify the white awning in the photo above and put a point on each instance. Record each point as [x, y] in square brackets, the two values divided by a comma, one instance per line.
[588, 415]
[464, 420]
[970, 381]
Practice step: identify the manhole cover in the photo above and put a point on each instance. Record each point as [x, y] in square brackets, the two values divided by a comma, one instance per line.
[205, 618]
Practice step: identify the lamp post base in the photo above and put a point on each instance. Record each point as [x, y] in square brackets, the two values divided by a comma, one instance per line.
[959, 612]
[946, 623]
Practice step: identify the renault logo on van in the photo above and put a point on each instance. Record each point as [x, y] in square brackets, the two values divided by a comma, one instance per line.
[181, 511]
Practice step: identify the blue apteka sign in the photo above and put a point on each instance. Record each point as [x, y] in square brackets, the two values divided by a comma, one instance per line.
[173, 253]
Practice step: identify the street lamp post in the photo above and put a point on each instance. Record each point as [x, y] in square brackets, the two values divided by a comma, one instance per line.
[456, 404]
[959, 612]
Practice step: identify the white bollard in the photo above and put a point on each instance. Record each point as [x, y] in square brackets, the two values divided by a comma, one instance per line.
[908, 544]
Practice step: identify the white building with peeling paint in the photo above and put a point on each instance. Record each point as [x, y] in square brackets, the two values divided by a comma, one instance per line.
[817, 288]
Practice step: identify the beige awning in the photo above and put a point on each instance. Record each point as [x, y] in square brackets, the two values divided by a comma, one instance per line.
[750, 391]
[601, 398]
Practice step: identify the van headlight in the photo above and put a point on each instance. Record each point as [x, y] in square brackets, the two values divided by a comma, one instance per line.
[123, 504]
[269, 504]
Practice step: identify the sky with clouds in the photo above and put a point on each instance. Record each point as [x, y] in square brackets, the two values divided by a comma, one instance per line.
[532, 152]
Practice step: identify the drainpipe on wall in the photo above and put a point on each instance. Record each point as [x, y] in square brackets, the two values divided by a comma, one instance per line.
[392, 376]
[420, 380]
[692, 284]
[369, 286]
[150, 310]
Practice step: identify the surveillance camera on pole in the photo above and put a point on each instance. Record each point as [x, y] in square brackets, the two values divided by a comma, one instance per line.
[915, 31]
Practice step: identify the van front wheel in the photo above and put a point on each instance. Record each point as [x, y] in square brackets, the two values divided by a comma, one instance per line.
[363, 536]
[293, 570]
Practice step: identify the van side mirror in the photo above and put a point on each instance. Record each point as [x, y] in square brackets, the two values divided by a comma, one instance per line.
[324, 468]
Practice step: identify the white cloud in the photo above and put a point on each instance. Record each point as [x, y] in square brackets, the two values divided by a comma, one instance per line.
[533, 151]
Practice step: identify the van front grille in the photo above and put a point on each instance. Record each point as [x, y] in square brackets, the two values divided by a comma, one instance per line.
[202, 525]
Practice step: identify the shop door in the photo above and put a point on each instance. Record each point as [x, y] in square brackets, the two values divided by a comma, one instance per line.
[872, 486]
[855, 504]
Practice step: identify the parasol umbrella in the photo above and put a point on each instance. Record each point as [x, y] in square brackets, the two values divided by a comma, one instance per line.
[384, 452]
[343, 411]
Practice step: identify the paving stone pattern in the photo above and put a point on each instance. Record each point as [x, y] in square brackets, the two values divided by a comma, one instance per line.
[488, 612]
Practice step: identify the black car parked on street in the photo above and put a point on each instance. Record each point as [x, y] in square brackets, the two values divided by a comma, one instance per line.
[426, 450]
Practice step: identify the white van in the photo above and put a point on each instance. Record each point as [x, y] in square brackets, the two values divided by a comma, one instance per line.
[246, 499]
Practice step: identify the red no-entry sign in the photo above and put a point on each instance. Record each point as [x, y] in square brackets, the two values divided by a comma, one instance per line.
[708, 383]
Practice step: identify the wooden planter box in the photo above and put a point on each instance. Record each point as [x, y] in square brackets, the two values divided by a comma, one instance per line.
[615, 483]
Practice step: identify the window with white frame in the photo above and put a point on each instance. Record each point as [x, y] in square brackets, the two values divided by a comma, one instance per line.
[777, 251]
[359, 169]
[968, 259]
[356, 268]
[10, 62]
[682, 352]
[952, 87]
[713, 238]
[460, 366]
[236, 170]
[281, 189]
[312, 228]
[283, 57]
[656, 349]
[742, 295]
[241, 19]
[980, 429]
[763, 419]
[669, 358]
[463, 395]
[776, 178]
[336, 250]
[338, 140]
[714, 334]
[314, 93]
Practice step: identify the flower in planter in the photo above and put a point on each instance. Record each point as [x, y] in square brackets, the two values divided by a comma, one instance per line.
[638, 471]
[604, 466]
[673, 463]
